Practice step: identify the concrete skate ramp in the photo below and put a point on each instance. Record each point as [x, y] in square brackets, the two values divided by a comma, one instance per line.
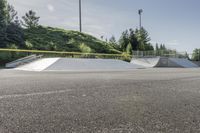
[183, 62]
[164, 62]
[146, 62]
[72, 64]
[38, 65]
[196, 62]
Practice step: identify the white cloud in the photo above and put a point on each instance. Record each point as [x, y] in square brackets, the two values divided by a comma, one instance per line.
[50, 8]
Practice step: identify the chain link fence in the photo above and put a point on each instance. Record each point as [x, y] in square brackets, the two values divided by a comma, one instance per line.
[160, 53]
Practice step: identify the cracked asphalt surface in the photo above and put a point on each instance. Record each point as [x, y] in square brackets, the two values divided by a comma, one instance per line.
[133, 101]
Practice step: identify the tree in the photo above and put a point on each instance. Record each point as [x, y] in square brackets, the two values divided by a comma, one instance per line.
[124, 40]
[144, 36]
[12, 14]
[163, 47]
[157, 47]
[15, 35]
[149, 47]
[143, 39]
[3, 23]
[187, 56]
[30, 20]
[102, 37]
[14, 30]
[113, 43]
[196, 55]
[112, 40]
[133, 39]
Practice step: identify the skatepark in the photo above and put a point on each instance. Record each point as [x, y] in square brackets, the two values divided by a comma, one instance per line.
[32, 63]
[56, 94]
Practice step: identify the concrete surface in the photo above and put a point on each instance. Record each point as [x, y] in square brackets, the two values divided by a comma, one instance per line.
[163, 62]
[196, 62]
[74, 64]
[38, 65]
[132, 101]
[185, 63]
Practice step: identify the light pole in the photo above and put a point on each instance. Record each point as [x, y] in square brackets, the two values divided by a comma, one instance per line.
[80, 16]
[140, 19]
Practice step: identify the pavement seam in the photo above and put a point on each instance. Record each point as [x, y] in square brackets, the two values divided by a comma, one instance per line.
[33, 94]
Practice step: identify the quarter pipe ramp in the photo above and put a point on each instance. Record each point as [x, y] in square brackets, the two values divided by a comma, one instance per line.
[164, 62]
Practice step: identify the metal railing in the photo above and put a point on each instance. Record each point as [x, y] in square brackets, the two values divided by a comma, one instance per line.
[22, 61]
[160, 53]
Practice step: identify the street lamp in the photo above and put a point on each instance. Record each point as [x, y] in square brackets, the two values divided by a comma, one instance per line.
[140, 15]
[80, 16]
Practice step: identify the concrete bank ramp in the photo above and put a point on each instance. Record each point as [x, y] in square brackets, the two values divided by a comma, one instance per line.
[38, 65]
[164, 62]
[183, 62]
[75, 64]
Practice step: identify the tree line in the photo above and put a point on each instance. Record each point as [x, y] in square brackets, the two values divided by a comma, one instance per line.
[11, 27]
[137, 40]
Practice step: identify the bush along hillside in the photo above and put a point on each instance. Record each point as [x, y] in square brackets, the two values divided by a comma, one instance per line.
[54, 39]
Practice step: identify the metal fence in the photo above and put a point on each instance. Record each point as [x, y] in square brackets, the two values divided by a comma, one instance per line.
[160, 53]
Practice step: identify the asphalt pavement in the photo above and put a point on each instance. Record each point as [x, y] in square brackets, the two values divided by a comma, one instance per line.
[156, 100]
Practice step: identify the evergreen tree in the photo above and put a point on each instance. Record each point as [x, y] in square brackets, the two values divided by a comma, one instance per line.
[164, 47]
[133, 39]
[113, 43]
[124, 40]
[143, 39]
[15, 35]
[3, 23]
[14, 30]
[144, 36]
[157, 47]
[12, 14]
[30, 20]
[149, 47]
[187, 56]
[112, 40]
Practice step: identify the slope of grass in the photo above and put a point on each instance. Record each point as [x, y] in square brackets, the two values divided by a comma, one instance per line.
[48, 38]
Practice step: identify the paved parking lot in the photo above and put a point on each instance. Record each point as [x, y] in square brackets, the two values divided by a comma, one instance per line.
[138, 101]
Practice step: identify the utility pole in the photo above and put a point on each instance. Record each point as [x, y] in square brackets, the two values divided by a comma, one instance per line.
[140, 18]
[80, 16]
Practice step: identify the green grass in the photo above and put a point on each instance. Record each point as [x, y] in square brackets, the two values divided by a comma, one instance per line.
[55, 39]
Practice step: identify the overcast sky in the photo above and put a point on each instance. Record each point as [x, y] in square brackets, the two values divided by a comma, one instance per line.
[173, 22]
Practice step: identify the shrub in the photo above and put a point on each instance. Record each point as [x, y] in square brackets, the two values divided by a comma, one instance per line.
[28, 45]
[84, 48]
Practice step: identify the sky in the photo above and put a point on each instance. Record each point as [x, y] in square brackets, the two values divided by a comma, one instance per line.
[176, 23]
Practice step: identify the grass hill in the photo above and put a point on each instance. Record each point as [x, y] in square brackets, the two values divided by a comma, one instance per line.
[48, 38]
